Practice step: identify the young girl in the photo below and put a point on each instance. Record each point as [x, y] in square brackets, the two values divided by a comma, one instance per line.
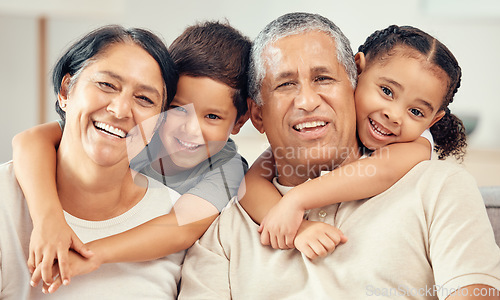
[406, 80]
[200, 161]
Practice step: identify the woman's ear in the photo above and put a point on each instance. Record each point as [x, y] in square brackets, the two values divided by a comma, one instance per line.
[255, 115]
[437, 117]
[360, 60]
[62, 97]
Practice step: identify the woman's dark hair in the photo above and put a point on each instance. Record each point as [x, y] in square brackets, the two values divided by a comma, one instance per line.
[217, 51]
[77, 56]
[449, 132]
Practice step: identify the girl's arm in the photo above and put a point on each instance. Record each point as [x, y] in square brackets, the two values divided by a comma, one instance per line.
[358, 180]
[34, 157]
[258, 195]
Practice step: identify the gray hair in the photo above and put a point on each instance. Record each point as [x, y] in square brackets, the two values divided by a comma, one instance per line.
[291, 24]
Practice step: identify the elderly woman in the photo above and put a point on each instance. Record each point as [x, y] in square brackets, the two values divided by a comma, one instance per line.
[106, 83]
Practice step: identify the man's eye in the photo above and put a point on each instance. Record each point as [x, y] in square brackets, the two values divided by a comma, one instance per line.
[386, 91]
[106, 85]
[284, 84]
[213, 116]
[416, 112]
[322, 79]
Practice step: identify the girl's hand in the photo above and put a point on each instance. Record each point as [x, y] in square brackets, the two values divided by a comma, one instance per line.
[317, 239]
[50, 241]
[76, 265]
[280, 225]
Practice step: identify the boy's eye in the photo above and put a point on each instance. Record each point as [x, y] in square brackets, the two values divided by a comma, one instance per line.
[213, 116]
[178, 108]
[416, 112]
[386, 91]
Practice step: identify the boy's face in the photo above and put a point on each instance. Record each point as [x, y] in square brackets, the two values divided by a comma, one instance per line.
[199, 121]
[397, 99]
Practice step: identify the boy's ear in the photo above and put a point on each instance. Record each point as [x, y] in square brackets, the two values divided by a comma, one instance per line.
[240, 122]
[62, 97]
[360, 60]
[255, 115]
[437, 117]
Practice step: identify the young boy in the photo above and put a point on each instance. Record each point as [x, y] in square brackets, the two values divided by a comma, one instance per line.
[191, 152]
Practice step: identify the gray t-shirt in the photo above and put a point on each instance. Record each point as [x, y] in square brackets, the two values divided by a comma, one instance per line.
[216, 179]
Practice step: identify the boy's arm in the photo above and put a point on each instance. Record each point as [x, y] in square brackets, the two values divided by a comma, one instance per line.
[257, 194]
[163, 235]
[358, 180]
[34, 157]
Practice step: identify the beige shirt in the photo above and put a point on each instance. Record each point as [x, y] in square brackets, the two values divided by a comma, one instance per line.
[423, 238]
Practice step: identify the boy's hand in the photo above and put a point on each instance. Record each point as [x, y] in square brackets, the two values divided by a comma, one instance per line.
[315, 239]
[50, 241]
[76, 265]
[280, 225]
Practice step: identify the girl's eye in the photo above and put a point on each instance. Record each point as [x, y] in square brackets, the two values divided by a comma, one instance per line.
[213, 116]
[386, 91]
[416, 112]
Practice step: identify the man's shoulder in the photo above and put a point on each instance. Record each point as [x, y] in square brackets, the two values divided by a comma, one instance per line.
[439, 168]
[7, 176]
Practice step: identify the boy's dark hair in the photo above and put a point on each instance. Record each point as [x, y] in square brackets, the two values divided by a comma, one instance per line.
[90, 45]
[449, 132]
[217, 51]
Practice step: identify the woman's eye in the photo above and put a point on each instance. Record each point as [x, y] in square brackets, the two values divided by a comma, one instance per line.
[145, 99]
[213, 116]
[386, 91]
[416, 112]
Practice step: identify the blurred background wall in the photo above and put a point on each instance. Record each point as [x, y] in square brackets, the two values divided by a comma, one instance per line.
[33, 34]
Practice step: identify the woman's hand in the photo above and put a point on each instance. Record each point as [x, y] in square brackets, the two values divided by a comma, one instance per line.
[50, 243]
[317, 239]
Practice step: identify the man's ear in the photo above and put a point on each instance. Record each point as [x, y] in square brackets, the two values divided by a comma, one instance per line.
[240, 122]
[62, 96]
[437, 117]
[255, 115]
[360, 60]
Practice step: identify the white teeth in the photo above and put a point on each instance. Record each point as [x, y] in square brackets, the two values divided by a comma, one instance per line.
[309, 125]
[378, 129]
[110, 129]
[190, 146]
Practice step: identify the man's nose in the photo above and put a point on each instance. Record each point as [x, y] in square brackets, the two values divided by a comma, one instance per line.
[121, 106]
[307, 99]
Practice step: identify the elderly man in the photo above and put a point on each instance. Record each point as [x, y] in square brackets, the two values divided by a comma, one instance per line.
[422, 238]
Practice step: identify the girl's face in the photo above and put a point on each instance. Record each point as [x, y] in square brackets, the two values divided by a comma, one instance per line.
[199, 121]
[117, 91]
[397, 98]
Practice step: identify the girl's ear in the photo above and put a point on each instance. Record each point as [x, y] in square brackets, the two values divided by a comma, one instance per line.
[255, 115]
[360, 60]
[437, 117]
[62, 97]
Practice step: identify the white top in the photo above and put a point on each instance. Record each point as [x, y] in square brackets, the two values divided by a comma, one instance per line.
[145, 280]
[423, 238]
